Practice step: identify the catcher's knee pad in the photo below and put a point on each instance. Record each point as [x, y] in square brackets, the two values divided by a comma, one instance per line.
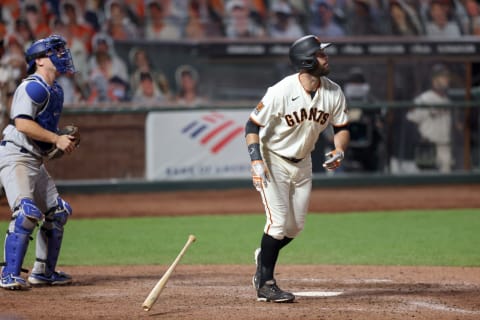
[25, 217]
[24, 220]
[57, 216]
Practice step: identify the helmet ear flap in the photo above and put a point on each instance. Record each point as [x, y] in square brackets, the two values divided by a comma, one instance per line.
[309, 64]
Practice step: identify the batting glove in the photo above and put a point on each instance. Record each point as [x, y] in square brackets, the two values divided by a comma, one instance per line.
[259, 174]
[335, 157]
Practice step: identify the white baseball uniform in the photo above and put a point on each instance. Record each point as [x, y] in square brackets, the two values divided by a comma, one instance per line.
[291, 122]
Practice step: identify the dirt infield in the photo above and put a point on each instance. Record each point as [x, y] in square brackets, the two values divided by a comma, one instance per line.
[225, 292]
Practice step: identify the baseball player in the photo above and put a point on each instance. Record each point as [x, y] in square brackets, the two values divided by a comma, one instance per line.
[281, 134]
[31, 193]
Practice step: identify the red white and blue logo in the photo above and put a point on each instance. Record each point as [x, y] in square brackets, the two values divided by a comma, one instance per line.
[213, 130]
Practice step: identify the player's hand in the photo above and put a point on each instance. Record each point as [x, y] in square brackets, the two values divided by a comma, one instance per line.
[66, 143]
[259, 174]
[334, 159]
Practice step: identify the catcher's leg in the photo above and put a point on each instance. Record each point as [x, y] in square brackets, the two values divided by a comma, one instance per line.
[24, 219]
[49, 241]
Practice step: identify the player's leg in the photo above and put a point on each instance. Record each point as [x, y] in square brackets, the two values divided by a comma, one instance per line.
[275, 199]
[49, 239]
[444, 157]
[24, 220]
[290, 211]
[17, 175]
[48, 244]
[294, 224]
[268, 255]
[300, 200]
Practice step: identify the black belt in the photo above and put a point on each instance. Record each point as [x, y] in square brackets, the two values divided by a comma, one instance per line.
[22, 149]
[294, 160]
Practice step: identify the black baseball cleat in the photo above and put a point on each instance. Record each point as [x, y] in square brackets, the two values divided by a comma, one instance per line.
[270, 292]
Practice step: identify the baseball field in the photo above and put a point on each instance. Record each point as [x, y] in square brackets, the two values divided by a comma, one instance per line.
[366, 253]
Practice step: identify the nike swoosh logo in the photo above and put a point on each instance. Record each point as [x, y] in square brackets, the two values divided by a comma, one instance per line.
[293, 99]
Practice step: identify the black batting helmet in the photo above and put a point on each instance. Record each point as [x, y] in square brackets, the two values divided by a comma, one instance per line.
[302, 52]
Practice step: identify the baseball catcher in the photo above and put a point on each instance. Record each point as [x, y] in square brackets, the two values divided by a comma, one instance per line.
[31, 138]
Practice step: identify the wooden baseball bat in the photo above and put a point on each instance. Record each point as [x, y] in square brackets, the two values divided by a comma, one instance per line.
[153, 295]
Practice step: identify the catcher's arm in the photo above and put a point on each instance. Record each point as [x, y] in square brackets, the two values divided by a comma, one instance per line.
[34, 131]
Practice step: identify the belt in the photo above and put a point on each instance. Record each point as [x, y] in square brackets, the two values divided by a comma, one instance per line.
[294, 160]
[22, 149]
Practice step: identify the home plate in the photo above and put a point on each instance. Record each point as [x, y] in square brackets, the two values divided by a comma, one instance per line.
[317, 294]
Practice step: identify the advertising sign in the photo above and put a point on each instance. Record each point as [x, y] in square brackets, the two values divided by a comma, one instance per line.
[196, 144]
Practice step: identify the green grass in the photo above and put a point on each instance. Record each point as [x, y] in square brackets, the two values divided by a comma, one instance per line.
[441, 237]
[448, 237]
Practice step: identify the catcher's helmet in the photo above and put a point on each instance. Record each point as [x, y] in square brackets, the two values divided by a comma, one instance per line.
[53, 47]
[302, 52]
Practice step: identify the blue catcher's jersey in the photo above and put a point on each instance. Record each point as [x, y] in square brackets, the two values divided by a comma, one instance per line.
[36, 100]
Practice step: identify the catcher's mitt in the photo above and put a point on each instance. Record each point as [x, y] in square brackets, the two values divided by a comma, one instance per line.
[70, 130]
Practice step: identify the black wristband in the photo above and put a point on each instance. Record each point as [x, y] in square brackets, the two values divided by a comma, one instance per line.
[254, 151]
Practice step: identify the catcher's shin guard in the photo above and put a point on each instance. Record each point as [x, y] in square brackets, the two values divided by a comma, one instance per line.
[24, 220]
[49, 238]
[16, 245]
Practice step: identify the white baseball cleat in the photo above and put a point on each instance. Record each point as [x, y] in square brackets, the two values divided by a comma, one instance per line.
[11, 282]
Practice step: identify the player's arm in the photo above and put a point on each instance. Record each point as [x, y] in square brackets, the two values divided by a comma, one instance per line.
[341, 139]
[33, 130]
[252, 138]
[32, 96]
[258, 168]
[341, 136]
